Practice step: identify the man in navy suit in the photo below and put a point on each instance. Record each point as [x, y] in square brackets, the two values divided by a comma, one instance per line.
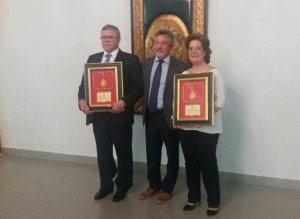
[157, 112]
[114, 127]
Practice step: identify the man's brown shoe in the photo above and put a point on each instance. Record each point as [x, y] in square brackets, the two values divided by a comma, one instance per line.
[147, 193]
[164, 197]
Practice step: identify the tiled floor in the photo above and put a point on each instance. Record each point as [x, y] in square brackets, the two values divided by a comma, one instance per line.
[40, 189]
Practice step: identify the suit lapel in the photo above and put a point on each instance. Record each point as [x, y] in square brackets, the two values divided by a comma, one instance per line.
[119, 56]
[100, 57]
[148, 69]
[170, 72]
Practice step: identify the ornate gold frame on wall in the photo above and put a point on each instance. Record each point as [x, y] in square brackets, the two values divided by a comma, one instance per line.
[199, 23]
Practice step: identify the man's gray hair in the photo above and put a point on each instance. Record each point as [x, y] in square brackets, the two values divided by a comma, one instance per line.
[167, 33]
[112, 27]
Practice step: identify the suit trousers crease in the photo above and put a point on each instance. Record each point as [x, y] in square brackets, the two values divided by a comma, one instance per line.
[199, 150]
[157, 133]
[107, 135]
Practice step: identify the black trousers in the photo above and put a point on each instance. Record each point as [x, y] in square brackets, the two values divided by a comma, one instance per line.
[157, 133]
[199, 151]
[107, 135]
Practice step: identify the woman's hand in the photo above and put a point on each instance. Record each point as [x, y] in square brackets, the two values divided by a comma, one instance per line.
[198, 125]
[186, 126]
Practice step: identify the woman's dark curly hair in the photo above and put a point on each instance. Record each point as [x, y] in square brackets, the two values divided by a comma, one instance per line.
[204, 41]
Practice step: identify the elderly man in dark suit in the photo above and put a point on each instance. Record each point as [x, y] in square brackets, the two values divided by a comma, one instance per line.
[158, 73]
[115, 127]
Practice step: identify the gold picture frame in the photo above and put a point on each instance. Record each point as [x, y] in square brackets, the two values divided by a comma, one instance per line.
[103, 84]
[193, 99]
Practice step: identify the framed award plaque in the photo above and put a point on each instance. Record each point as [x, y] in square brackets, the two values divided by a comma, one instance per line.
[103, 84]
[193, 99]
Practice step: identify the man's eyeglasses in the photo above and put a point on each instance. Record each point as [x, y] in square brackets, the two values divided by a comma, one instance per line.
[107, 37]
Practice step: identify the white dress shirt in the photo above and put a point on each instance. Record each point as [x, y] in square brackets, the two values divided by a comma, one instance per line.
[113, 55]
[164, 72]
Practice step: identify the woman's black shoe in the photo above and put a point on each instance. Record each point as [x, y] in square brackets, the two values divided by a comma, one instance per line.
[211, 212]
[189, 207]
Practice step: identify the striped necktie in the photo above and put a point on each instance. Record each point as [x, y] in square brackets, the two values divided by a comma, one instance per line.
[107, 56]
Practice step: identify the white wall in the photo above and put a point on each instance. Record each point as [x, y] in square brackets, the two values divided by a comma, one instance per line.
[43, 45]
[256, 46]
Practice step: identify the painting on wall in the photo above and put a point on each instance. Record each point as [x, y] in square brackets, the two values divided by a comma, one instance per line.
[181, 17]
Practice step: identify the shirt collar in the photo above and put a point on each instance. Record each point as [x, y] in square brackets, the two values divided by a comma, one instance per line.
[113, 53]
[167, 59]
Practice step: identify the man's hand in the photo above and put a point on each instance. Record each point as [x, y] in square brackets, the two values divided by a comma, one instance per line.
[117, 107]
[84, 107]
[173, 122]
